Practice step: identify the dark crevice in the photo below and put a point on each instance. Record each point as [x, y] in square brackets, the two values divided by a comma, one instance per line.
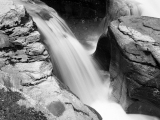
[33, 84]
[150, 27]
[9, 32]
[11, 62]
[13, 48]
[79, 111]
[25, 19]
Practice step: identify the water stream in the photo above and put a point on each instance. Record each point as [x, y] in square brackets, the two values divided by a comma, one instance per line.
[79, 72]
[74, 66]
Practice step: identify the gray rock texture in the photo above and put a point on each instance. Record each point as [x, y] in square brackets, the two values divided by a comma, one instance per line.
[15, 105]
[118, 8]
[26, 68]
[114, 10]
[134, 66]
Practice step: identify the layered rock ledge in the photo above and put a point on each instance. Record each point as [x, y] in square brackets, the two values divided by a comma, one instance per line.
[134, 65]
[114, 10]
[26, 70]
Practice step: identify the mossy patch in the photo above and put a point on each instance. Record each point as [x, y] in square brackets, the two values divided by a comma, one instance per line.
[10, 110]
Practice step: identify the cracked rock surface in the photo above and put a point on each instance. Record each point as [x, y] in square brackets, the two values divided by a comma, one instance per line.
[118, 8]
[25, 66]
[135, 60]
[114, 10]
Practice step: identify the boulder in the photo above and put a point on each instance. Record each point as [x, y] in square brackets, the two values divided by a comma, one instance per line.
[134, 66]
[114, 10]
[25, 66]
[118, 8]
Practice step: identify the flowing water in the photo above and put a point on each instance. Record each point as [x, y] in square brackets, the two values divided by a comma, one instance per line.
[149, 7]
[73, 65]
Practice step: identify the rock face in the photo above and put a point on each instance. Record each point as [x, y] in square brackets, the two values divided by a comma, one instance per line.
[130, 51]
[15, 105]
[118, 8]
[135, 59]
[25, 66]
[114, 10]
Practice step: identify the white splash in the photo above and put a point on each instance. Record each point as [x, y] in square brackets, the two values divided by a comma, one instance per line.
[149, 8]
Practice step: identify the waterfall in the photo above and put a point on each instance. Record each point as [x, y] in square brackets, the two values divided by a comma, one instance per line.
[77, 70]
[147, 7]
[73, 64]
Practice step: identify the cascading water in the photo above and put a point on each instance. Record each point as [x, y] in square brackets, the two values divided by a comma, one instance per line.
[73, 64]
[149, 7]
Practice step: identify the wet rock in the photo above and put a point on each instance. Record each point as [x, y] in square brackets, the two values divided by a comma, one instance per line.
[142, 107]
[118, 8]
[114, 10]
[25, 65]
[146, 93]
[135, 58]
[50, 93]
[15, 105]
[102, 53]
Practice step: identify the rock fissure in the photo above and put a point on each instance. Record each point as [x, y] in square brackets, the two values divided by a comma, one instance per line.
[146, 50]
[142, 63]
[78, 111]
[147, 26]
[135, 53]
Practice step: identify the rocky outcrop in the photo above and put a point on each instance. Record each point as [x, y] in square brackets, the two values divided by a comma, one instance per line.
[134, 66]
[133, 63]
[25, 66]
[114, 10]
[118, 8]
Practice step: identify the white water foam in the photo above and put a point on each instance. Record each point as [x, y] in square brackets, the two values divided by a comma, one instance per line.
[149, 8]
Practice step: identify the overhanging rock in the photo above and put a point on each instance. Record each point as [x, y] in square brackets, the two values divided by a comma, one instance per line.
[135, 60]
